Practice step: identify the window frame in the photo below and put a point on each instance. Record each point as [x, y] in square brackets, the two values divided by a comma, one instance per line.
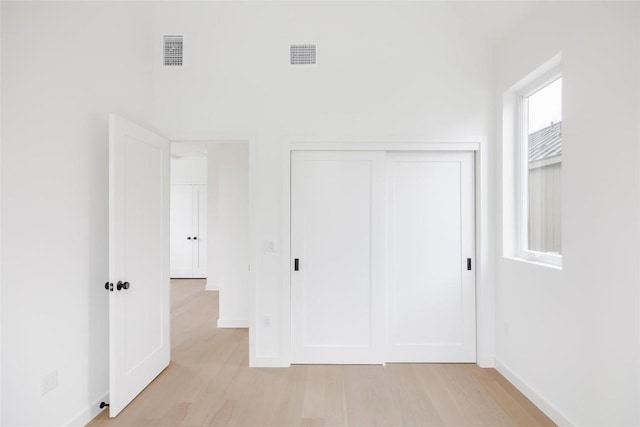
[522, 170]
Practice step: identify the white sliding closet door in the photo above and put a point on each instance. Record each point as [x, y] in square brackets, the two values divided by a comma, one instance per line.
[382, 257]
[431, 257]
[337, 280]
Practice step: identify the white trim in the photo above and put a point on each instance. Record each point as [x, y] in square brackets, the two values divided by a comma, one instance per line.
[485, 285]
[252, 253]
[545, 162]
[485, 308]
[210, 286]
[269, 362]
[548, 69]
[233, 323]
[486, 361]
[532, 262]
[89, 413]
[543, 259]
[532, 394]
[219, 138]
[285, 295]
[384, 146]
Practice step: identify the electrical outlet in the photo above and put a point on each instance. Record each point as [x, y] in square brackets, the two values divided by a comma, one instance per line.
[49, 382]
[266, 321]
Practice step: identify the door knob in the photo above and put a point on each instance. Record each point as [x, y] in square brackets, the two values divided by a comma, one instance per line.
[188, 238]
[108, 286]
[195, 238]
[121, 285]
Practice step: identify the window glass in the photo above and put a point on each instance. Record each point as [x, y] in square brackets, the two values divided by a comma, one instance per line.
[542, 173]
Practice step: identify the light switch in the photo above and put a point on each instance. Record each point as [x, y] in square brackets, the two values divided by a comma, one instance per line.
[268, 246]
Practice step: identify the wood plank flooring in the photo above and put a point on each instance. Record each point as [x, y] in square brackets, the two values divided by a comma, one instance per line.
[209, 383]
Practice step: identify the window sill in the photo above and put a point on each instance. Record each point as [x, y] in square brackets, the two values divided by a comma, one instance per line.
[534, 262]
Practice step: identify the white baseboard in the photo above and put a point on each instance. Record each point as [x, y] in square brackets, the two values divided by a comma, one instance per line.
[486, 362]
[84, 417]
[233, 323]
[545, 406]
[269, 362]
[211, 286]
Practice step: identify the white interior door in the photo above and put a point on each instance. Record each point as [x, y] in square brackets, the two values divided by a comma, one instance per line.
[430, 226]
[336, 283]
[181, 231]
[188, 231]
[139, 347]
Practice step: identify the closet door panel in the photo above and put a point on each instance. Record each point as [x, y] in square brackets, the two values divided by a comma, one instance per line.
[431, 235]
[336, 282]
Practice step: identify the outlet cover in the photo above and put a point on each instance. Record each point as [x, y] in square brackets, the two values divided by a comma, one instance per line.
[49, 382]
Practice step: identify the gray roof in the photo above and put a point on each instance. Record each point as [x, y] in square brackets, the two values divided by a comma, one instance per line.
[545, 143]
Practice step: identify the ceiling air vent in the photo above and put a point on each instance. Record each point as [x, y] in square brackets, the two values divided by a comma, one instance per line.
[303, 54]
[173, 51]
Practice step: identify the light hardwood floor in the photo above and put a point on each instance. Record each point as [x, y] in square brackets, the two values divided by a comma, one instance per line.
[209, 383]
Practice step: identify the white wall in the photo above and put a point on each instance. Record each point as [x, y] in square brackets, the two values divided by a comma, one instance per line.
[65, 66]
[385, 69]
[189, 170]
[228, 259]
[570, 338]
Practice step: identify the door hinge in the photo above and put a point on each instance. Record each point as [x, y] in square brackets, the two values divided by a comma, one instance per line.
[468, 264]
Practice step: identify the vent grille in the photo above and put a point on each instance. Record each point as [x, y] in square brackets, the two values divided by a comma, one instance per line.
[173, 51]
[303, 54]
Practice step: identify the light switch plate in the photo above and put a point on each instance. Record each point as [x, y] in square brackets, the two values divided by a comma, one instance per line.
[268, 246]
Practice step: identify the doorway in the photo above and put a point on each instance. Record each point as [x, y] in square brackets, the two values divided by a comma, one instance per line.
[188, 216]
[213, 178]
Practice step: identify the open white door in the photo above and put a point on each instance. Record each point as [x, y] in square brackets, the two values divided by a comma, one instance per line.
[139, 347]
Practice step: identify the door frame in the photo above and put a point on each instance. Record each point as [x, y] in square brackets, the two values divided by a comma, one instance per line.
[485, 288]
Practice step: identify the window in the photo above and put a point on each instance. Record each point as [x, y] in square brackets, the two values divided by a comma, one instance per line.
[540, 172]
[532, 166]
